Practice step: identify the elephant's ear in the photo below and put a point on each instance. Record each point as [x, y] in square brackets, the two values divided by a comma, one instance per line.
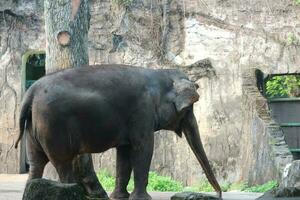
[186, 94]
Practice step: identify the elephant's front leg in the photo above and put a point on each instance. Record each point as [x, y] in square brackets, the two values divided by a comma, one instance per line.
[141, 155]
[123, 172]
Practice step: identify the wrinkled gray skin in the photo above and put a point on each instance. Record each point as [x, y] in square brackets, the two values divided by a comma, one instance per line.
[73, 112]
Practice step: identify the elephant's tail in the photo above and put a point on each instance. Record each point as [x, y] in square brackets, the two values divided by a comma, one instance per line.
[25, 114]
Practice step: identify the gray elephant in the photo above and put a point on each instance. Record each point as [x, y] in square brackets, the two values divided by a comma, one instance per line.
[77, 111]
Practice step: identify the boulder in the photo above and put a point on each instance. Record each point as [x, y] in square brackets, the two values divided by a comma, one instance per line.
[50, 190]
[288, 193]
[291, 175]
[192, 196]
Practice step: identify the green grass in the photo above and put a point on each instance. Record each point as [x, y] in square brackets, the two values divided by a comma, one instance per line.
[204, 186]
[262, 188]
[155, 182]
[167, 184]
[106, 180]
[163, 183]
[238, 186]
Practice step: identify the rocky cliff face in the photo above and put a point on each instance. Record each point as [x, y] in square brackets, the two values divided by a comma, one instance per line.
[236, 35]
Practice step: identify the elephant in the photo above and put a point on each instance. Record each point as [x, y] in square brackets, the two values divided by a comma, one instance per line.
[74, 112]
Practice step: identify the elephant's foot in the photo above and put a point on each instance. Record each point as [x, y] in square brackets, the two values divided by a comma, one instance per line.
[98, 195]
[119, 195]
[139, 196]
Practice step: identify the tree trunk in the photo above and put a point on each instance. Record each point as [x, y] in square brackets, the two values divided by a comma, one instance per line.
[66, 25]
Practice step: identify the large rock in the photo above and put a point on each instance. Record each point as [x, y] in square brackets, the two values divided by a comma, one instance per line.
[50, 190]
[289, 193]
[192, 196]
[291, 175]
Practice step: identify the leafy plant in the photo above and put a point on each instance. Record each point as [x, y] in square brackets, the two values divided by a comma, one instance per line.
[283, 86]
[297, 2]
[155, 182]
[240, 186]
[163, 183]
[291, 38]
[106, 180]
[204, 186]
[262, 188]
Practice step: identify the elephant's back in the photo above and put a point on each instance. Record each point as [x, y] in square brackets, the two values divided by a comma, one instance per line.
[88, 101]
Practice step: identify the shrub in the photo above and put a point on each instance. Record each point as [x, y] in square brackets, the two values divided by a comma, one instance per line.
[106, 180]
[155, 182]
[262, 188]
[240, 186]
[167, 184]
[163, 183]
[283, 86]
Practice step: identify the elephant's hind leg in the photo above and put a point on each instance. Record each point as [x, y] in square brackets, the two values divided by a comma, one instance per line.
[86, 176]
[36, 157]
[123, 172]
[64, 170]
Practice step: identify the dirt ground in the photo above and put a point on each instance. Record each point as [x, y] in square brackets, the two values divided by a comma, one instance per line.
[12, 187]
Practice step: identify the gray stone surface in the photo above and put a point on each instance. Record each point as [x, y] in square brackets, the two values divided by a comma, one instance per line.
[287, 192]
[291, 175]
[12, 187]
[192, 196]
[281, 193]
[49, 190]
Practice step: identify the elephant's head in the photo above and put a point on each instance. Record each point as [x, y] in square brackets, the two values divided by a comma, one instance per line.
[177, 115]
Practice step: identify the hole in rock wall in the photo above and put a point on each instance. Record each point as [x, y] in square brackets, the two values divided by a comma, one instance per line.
[33, 68]
[283, 94]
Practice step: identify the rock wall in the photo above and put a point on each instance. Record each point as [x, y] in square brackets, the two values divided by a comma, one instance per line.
[20, 31]
[267, 153]
[236, 35]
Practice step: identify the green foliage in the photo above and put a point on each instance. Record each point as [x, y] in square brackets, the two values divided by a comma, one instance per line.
[165, 184]
[156, 182]
[291, 38]
[297, 2]
[241, 186]
[190, 189]
[204, 186]
[225, 187]
[106, 180]
[125, 3]
[283, 86]
[262, 188]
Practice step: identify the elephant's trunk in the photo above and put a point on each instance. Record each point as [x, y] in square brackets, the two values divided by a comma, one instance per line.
[190, 129]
